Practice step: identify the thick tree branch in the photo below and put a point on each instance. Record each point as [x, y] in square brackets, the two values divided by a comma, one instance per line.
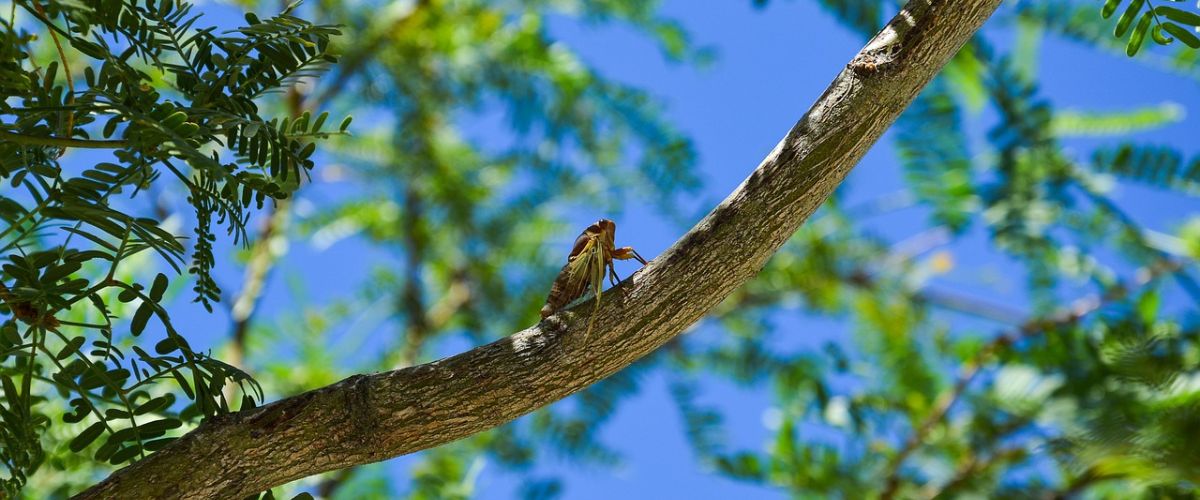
[368, 418]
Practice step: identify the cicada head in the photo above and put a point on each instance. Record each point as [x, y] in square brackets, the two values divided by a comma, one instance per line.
[608, 229]
[601, 232]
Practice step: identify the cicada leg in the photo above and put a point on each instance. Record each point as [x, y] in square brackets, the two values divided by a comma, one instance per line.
[626, 253]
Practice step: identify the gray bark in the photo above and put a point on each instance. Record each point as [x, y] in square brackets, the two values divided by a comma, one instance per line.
[368, 418]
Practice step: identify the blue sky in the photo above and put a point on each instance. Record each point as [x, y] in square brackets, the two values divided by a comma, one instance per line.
[771, 65]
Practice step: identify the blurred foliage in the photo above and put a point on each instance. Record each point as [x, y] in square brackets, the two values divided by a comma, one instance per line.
[1090, 394]
[478, 129]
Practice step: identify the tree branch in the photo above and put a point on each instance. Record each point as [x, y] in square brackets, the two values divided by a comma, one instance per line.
[368, 418]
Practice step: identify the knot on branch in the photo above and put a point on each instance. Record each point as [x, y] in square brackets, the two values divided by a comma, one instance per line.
[278, 414]
[881, 53]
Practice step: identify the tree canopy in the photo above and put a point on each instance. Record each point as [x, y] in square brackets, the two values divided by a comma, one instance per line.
[478, 135]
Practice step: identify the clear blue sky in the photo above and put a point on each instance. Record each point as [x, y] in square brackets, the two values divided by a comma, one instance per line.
[772, 64]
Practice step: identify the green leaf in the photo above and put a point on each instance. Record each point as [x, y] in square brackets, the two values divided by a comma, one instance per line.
[1148, 306]
[79, 413]
[1073, 123]
[345, 123]
[53, 274]
[166, 346]
[9, 333]
[1110, 6]
[1139, 35]
[86, 437]
[159, 287]
[183, 384]
[140, 318]
[127, 295]
[161, 425]
[1159, 37]
[88, 48]
[155, 404]
[158, 444]
[1127, 18]
[125, 454]
[1183, 34]
[187, 129]
[107, 449]
[10, 388]
[71, 348]
[250, 129]
[1178, 15]
[111, 126]
[175, 119]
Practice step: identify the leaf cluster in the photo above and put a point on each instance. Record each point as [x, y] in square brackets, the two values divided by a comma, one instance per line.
[1169, 23]
[146, 84]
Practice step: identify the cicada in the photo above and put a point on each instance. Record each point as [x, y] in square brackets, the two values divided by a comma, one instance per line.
[590, 260]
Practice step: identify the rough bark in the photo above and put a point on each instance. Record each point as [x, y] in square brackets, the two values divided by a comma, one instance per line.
[368, 418]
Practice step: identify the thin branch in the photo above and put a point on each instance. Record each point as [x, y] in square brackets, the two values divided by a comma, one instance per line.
[1081, 482]
[412, 300]
[369, 418]
[258, 269]
[61, 142]
[968, 305]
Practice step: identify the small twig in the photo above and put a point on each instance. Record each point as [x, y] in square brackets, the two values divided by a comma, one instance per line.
[882, 205]
[968, 470]
[62, 56]
[457, 295]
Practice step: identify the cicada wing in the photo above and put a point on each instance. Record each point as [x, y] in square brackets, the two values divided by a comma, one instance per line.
[580, 275]
[595, 269]
[572, 281]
